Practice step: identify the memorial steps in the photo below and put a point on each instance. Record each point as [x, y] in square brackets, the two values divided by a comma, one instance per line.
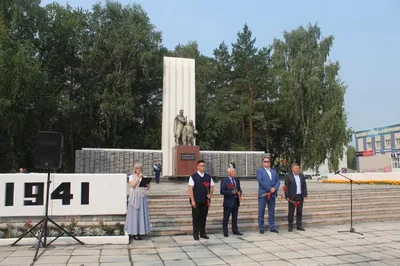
[171, 214]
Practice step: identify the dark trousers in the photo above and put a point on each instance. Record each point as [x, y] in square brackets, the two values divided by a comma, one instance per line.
[157, 177]
[227, 213]
[299, 212]
[199, 219]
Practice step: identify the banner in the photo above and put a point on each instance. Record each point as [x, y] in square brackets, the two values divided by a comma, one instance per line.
[70, 194]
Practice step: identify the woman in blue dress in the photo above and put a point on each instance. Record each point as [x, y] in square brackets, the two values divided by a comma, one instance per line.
[137, 221]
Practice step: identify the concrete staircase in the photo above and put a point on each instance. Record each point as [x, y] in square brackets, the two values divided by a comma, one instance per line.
[171, 214]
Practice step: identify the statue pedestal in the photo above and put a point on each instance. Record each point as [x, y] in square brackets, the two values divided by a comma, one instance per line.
[184, 160]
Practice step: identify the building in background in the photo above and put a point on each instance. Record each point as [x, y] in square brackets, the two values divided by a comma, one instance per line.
[378, 149]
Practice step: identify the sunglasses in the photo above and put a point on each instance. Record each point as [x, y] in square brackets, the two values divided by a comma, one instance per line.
[266, 161]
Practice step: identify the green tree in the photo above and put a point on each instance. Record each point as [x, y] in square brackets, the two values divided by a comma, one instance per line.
[351, 158]
[311, 96]
[246, 63]
[96, 76]
[63, 46]
[223, 113]
[20, 80]
[127, 65]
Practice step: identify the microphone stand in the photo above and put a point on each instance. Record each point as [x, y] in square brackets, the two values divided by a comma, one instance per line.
[352, 230]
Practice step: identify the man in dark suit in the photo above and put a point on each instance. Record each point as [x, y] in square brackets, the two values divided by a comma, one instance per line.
[296, 191]
[157, 171]
[230, 188]
[268, 186]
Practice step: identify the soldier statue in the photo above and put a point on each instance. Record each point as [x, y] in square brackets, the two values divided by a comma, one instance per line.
[189, 133]
[179, 122]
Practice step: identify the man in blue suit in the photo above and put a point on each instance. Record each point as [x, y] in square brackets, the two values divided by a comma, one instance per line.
[232, 191]
[268, 186]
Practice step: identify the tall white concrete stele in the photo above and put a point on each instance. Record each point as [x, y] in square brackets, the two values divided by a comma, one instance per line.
[179, 92]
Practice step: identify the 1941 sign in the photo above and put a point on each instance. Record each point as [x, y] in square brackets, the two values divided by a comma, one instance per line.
[34, 193]
[70, 194]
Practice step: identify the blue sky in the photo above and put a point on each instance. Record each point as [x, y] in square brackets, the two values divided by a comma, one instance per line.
[367, 40]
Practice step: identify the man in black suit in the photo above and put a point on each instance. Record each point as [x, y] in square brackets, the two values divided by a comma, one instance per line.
[230, 188]
[157, 171]
[295, 193]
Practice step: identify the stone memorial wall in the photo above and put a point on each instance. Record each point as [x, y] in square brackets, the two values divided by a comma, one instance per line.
[246, 163]
[92, 160]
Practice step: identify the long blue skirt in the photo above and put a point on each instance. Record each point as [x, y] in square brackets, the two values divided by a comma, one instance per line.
[138, 220]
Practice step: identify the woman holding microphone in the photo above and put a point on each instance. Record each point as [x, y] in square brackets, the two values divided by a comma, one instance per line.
[137, 221]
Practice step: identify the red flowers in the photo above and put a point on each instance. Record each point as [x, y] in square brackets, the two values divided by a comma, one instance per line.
[267, 195]
[231, 185]
[295, 203]
[207, 185]
[208, 203]
[284, 189]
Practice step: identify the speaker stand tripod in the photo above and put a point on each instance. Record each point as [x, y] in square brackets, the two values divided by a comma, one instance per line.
[352, 230]
[44, 228]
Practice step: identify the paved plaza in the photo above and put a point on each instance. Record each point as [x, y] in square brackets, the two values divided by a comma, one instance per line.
[380, 245]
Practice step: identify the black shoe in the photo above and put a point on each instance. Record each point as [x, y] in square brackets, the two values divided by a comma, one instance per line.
[290, 229]
[262, 232]
[196, 237]
[204, 236]
[237, 233]
[138, 237]
[274, 231]
[301, 229]
[226, 235]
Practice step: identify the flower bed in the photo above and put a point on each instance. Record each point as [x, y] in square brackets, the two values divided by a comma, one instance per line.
[365, 182]
[103, 233]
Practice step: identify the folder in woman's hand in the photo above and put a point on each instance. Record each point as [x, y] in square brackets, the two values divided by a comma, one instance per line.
[145, 181]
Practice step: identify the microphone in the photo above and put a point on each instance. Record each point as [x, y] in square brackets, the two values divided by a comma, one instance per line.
[337, 172]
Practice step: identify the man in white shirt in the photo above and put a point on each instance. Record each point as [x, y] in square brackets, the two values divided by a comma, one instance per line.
[201, 188]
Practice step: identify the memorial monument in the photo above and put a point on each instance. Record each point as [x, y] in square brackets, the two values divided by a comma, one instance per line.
[184, 154]
[179, 103]
[178, 144]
